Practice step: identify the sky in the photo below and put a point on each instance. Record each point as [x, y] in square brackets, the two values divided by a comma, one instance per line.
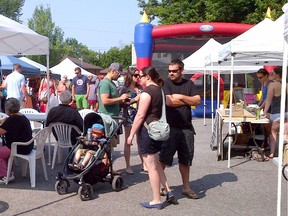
[97, 24]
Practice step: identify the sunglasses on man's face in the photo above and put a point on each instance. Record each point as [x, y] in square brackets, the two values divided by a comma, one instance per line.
[173, 71]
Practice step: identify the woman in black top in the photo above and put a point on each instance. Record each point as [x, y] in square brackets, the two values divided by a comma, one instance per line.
[150, 109]
[15, 128]
[134, 89]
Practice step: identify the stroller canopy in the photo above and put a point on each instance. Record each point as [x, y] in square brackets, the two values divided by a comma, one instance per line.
[107, 121]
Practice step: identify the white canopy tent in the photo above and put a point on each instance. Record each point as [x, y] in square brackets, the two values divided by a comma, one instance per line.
[263, 41]
[36, 64]
[206, 59]
[263, 44]
[198, 60]
[66, 67]
[18, 39]
[203, 60]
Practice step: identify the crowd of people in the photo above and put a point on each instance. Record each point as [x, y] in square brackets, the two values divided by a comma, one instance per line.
[139, 100]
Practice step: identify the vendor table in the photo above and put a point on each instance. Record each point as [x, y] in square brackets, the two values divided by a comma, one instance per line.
[248, 122]
[38, 117]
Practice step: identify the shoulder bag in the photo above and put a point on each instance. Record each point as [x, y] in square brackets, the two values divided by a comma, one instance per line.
[159, 130]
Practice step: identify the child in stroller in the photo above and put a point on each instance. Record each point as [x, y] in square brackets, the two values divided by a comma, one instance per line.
[84, 155]
[99, 167]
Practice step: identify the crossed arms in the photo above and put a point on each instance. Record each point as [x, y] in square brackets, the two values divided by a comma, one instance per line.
[177, 100]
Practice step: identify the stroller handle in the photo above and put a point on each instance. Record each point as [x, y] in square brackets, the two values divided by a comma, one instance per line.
[118, 118]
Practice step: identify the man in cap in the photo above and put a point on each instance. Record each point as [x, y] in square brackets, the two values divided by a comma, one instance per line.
[108, 95]
[109, 98]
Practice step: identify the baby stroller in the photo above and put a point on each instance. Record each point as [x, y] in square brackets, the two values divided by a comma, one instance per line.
[95, 171]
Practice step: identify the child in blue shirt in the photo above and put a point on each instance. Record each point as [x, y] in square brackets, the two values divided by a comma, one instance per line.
[83, 155]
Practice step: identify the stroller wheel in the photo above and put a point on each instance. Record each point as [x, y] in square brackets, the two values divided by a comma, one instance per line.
[117, 183]
[62, 186]
[85, 192]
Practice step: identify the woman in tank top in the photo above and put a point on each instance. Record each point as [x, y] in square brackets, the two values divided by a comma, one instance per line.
[263, 77]
[274, 100]
[150, 109]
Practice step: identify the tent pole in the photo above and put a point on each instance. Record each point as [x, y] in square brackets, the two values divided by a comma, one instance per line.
[212, 96]
[282, 107]
[48, 107]
[48, 84]
[282, 124]
[204, 99]
[218, 88]
[230, 108]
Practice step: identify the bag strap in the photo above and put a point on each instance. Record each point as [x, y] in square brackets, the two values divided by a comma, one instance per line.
[163, 116]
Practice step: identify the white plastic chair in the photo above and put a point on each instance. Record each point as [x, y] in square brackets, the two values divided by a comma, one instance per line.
[63, 133]
[3, 115]
[37, 153]
[32, 123]
[84, 112]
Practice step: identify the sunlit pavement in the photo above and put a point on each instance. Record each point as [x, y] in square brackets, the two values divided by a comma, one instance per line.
[247, 188]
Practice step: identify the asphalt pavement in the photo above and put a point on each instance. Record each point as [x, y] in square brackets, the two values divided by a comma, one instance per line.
[247, 188]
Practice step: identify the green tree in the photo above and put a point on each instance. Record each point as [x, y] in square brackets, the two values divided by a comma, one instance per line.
[184, 11]
[75, 49]
[41, 22]
[115, 54]
[12, 9]
[71, 47]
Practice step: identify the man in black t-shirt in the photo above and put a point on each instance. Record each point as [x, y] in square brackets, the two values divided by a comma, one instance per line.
[181, 94]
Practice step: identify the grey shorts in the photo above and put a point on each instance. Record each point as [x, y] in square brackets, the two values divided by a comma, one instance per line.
[180, 141]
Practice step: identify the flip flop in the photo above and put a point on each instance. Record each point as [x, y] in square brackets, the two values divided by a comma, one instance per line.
[190, 195]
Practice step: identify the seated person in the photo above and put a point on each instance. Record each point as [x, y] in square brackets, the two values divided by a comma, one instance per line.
[15, 128]
[89, 149]
[64, 113]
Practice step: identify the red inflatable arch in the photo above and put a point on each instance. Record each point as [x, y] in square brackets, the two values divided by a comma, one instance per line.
[214, 28]
[217, 29]
[149, 39]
